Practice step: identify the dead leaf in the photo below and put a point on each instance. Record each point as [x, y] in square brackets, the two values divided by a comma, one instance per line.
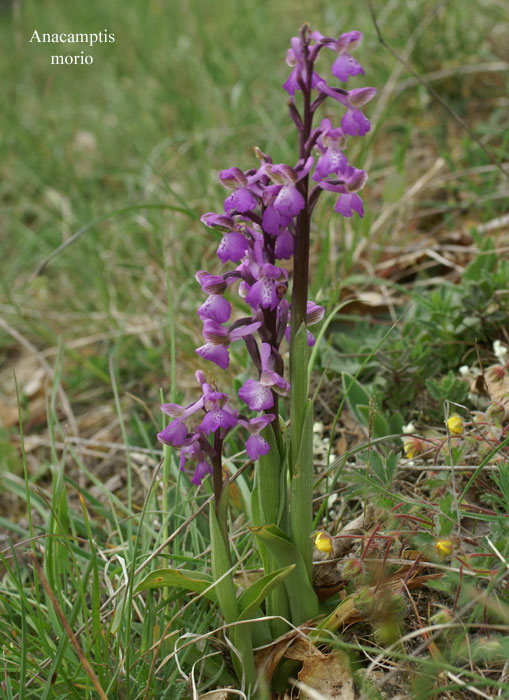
[329, 675]
[220, 694]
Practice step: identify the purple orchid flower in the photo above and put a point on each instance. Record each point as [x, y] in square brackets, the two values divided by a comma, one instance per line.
[256, 445]
[264, 293]
[345, 64]
[215, 307]
[216, 414]
[241, 200]
[258, 394]
[193, 452]
[355, 123]
[353, 99]
[296, 60]
[233, 245]
[348, 201]
[331, 142]
[219, 339]
[289, 201]
[175, 434]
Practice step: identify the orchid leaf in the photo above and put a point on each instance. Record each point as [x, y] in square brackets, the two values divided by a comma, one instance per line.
[178, 578]
[268, 477]
[251, 599]
[301, 596]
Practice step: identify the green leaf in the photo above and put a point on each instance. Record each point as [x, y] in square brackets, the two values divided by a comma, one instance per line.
[301, 451]
[301, 491]
[301, 596]
[251, 599]
[268, 481]
[396, 423]
[178, 578]
[356, 395]
[225, 588]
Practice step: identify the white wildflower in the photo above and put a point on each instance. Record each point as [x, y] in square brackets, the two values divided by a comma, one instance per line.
[500, 352]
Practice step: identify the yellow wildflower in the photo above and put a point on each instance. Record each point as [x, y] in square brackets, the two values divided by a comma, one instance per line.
[323, 542]
[412, 447]
[444, 547]
[455, 425]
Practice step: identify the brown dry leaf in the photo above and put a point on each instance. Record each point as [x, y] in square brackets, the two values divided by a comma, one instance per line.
[220, 694]
[329, 675]
[268, 658]
[367, 301]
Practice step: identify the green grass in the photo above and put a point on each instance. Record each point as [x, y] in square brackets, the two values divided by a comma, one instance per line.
[134, 143]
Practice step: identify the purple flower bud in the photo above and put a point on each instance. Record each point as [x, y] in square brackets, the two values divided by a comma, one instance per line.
[258, 394]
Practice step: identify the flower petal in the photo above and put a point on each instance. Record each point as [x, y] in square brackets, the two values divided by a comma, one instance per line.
[215, 353]
[355, 123]
[241, 200]
[344, 66]
[256, 446]
[201, 470]
[289, 201]
[284, 245]
[348, 203]
[215, 307]
[233, 247]
[257, 396]
[217, 418]
[262, 293]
